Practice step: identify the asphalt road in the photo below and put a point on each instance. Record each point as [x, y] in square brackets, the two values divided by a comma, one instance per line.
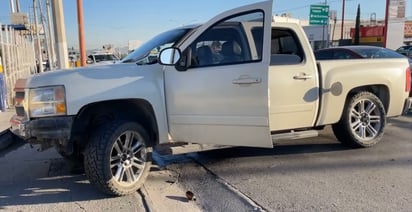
[316, 174]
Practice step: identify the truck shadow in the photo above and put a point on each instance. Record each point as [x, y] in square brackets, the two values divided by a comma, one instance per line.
[28, 177]
[57, 186]
[323, 143]
[404, 122]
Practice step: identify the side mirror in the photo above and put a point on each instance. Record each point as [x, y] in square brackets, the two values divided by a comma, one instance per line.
[169, 56]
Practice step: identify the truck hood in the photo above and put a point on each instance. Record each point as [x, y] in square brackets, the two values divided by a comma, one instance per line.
[88, 85]
[112, 74]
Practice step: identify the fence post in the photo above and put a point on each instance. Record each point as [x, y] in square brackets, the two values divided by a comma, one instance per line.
[17, 57]
[2, 93]
[2, 81]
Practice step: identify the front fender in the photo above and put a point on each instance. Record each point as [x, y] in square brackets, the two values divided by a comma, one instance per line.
[112, 82]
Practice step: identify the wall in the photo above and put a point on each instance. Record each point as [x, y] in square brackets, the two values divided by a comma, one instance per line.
[395, 34]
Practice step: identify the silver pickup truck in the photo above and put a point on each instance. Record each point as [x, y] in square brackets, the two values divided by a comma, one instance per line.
[238, 80]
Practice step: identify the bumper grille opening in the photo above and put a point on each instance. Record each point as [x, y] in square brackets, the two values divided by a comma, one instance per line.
[19, 103]
[20, 111]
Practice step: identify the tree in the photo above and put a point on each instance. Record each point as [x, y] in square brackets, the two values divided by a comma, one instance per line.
[357, 27]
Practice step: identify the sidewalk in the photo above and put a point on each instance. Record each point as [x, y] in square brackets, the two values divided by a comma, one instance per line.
[5, 118]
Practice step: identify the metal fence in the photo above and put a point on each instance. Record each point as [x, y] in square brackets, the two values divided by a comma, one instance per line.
[17, 59]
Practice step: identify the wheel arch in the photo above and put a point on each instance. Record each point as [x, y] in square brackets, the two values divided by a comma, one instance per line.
[95, 114]
[379, 90]
[333, 106]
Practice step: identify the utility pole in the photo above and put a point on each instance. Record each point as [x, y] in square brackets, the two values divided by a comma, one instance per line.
[51, 41]
[60, 33]
[46, 35]
[18, 5]
[11, 6]
[38, 42]
[343, 19]
[334, 25]
[327, 30]
[385, 31]
[80, 23]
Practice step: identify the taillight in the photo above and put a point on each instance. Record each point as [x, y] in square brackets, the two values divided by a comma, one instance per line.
[408, 79]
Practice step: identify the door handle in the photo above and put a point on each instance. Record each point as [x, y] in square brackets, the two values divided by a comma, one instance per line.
[302, 76]
[246, 80]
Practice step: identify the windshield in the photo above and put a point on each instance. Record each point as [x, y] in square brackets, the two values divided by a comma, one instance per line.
[147, 53]
[105, 57]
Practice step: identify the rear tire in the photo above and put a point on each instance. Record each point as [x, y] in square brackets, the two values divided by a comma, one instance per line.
[117, 158]
[363, 121]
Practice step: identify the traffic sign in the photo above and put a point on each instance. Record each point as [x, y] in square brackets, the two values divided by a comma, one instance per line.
[319, 14]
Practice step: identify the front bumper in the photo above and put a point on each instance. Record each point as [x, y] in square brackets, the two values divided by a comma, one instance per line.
[407, 106]
[50, 128]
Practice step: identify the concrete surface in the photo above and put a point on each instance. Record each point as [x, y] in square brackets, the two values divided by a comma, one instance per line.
[4, 119]
[5, 137]
[40, 181]
[316, 174]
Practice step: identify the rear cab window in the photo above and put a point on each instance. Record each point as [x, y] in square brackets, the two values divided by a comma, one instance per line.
[286, 48]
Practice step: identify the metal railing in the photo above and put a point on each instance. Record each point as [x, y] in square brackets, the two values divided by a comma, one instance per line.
[17, 58]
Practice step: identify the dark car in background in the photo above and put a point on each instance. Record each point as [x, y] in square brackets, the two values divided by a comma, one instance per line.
[405, 50]
[358, 52]
[355, 52]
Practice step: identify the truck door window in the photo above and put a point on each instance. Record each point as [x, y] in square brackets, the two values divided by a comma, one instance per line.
[257, 33]
[285, 48]
[227, 42]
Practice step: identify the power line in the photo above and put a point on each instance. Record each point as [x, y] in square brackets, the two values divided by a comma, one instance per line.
[301, 7]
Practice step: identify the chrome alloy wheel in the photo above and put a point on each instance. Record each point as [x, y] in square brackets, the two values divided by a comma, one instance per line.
[365, 119]
[128, 158]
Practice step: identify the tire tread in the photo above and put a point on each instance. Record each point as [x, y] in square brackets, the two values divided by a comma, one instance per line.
[342, 129]
[95, 154]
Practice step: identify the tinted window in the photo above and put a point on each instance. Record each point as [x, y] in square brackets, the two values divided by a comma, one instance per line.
[377, 53]
[342, 54]
[323, 55]
[257, 33]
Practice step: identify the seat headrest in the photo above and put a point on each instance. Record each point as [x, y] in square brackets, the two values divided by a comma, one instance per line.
[231, 47]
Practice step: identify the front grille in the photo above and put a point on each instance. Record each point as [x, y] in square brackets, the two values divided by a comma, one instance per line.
[19, 95]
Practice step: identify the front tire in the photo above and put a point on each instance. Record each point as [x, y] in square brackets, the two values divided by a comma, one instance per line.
[362, 122]
[117, 158]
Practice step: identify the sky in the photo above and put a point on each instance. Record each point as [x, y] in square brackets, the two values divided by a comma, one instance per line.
[117, 22]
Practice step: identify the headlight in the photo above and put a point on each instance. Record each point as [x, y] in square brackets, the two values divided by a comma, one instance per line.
[47, 101]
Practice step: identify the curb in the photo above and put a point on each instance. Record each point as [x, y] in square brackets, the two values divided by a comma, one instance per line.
[6, 139]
